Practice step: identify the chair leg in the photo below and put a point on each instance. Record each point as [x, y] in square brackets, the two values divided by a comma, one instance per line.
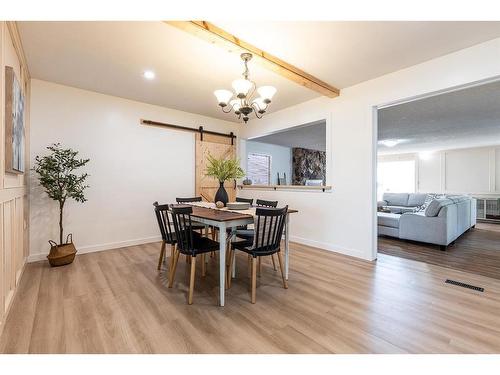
[191, 280]
[172, 255]
[174, 267]
[259, 268]
[280, 260]
[274, 262]
[203, 265]
[229, 268]
[162, 254]
[254, 278]
[249, 266]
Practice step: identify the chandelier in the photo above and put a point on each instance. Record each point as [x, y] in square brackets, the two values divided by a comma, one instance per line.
[246, 101]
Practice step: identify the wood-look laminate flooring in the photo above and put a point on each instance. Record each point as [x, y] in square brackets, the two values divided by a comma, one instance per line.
[476, 251]
[116, 301]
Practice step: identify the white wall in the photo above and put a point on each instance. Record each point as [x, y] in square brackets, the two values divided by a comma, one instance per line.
[131, 165]
[462, 171]
[281, 159]
[344, 220]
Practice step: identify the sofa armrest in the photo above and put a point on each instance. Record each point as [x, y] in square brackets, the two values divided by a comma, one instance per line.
[381, 203]
[439, 230]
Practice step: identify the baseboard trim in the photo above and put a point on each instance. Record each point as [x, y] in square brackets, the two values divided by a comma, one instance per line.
[94, 248]
[330, 247]
[115, 245]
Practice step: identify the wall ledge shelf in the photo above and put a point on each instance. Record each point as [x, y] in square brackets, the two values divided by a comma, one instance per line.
[325, 188]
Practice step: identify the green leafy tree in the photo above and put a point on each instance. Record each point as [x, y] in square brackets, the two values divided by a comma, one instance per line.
[223, 169]
[55, 174]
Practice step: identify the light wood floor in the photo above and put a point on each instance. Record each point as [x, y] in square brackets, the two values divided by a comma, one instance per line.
[116, 302]
[476, 251]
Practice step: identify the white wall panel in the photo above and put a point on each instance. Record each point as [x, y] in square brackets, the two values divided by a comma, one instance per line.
[467, 171]
[429, 174]
[13, 234]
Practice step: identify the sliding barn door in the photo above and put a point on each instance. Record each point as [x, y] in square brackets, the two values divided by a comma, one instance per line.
[218, 147]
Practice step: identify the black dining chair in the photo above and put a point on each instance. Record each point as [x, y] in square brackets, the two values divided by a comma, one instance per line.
[264, 203]
[269, 224]
[188, 200]
[168, 237]
[245, 200]
[189, 244]
[196, 226]
[247, 234]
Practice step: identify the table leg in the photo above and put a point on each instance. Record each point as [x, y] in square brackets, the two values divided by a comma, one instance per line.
[287, 243]
[222, 262]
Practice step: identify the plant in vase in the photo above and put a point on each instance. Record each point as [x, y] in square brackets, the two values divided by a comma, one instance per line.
[223, 169]
[55, 174]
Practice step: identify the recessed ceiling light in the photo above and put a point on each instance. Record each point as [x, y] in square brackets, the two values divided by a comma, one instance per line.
[149, 74]
[391, 142]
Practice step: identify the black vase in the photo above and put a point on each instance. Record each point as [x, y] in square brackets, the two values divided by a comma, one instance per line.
[221, 194]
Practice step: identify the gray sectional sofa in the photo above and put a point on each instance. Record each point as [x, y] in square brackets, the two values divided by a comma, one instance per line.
[437, 221]
[402, 202]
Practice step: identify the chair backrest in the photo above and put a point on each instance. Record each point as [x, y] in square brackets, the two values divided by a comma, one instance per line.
[245, 200]
[263, 203]
[181, 216]
[162, 215]
[188, 200]
[269, 224]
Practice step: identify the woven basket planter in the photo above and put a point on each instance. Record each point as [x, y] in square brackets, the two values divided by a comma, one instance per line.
[63, 254]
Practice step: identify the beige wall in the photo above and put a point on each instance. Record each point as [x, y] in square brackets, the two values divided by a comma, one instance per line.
[131, 165]
[14, 206]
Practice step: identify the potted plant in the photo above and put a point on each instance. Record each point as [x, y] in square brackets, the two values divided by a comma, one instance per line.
[223, 169]
[55, 174]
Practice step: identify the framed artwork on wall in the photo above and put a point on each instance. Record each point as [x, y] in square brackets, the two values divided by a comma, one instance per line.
[14, 123]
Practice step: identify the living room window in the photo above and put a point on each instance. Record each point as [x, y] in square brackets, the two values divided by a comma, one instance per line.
[395, 177]
[259, 168]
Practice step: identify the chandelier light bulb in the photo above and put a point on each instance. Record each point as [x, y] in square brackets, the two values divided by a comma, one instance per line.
[267, 93]
[242, 87]
[223, 97]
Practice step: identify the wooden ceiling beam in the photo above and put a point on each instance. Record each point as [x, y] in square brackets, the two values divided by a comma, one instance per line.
[222, 38]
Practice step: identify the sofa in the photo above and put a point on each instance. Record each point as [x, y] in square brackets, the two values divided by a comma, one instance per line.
[402, 202]
[439, 221]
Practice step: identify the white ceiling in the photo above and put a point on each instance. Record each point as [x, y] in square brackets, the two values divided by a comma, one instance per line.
[459, 119]
[310, 136]
[109, 57]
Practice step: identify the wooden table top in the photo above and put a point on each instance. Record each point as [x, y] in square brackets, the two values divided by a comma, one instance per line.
[221, 215]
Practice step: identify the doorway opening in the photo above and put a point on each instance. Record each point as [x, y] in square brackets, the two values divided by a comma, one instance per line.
[438, 179]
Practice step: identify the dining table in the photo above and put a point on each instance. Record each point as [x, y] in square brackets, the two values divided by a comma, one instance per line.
[222, 218]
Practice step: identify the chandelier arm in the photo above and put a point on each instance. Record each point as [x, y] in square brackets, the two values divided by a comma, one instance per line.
[256, 110]
[230, 108]
[250, 94]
